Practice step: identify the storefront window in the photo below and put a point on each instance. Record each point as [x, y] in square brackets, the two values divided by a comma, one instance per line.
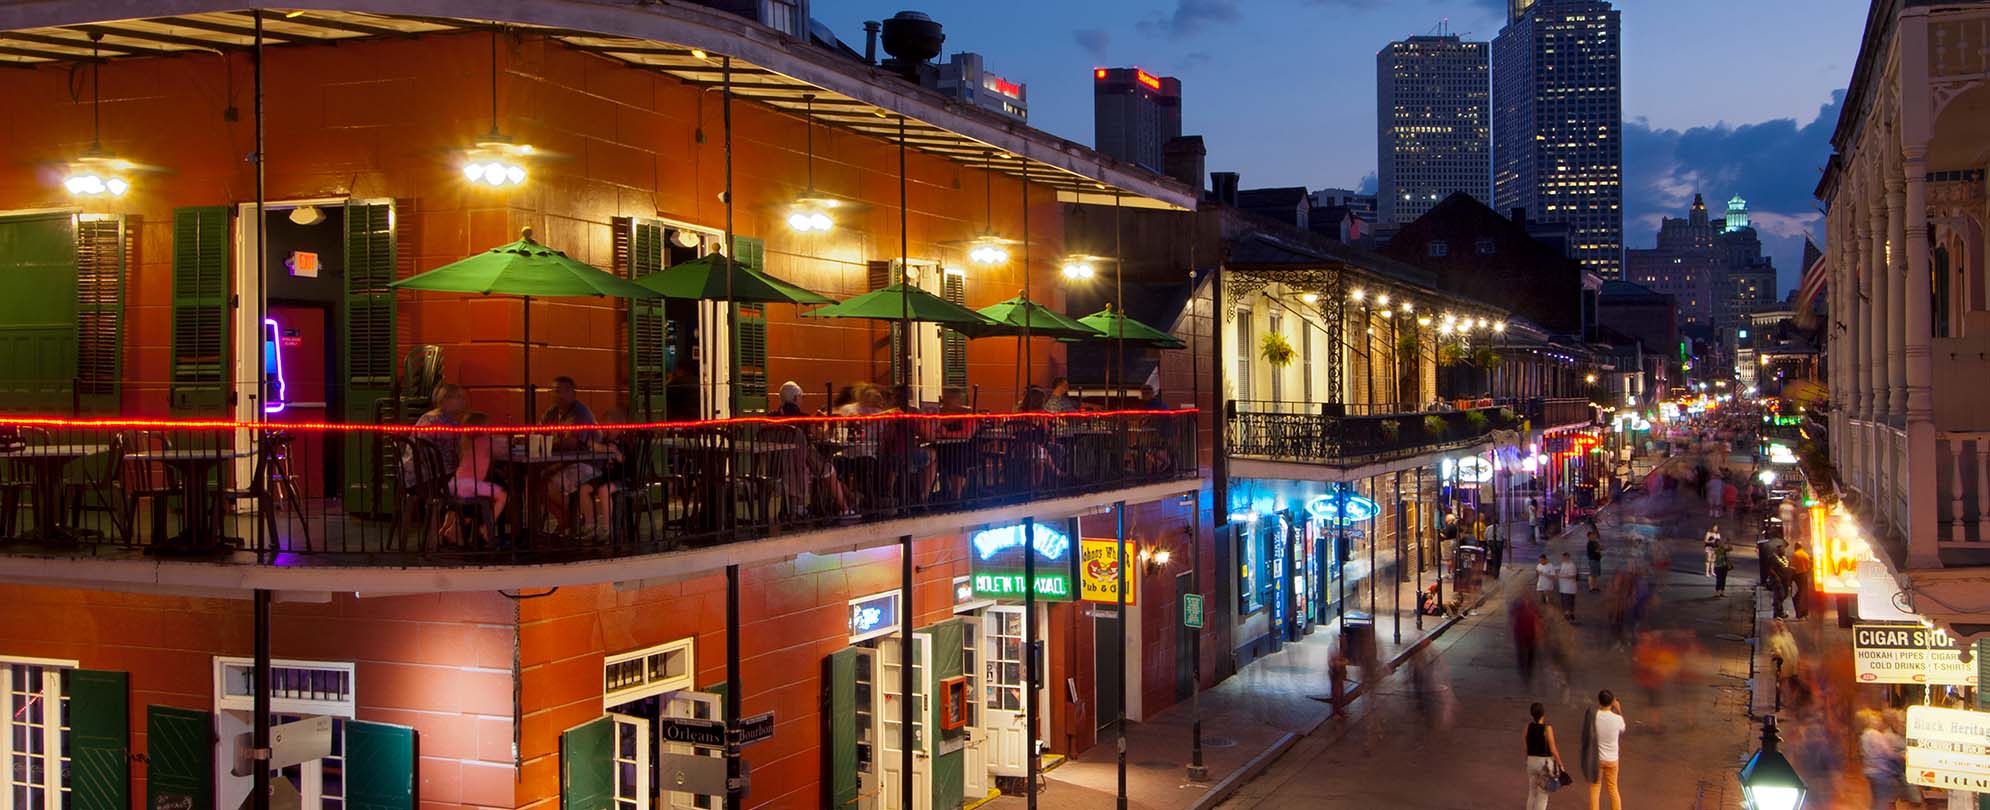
[1250, 576]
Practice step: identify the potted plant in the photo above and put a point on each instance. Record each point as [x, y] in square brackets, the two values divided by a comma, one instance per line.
[1477, 421]
[1485, 357]
[1435, 427]
[1391, 428]
[1276, 350]
[1450, 354]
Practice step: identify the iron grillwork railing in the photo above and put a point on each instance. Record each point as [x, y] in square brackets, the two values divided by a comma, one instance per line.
[1322, 433]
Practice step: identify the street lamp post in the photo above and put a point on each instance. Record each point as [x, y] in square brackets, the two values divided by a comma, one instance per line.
[1767, 781]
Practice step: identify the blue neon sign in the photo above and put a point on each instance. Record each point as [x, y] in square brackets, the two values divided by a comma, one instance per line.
[1050, 544]
[873, 616]
[1328, 507]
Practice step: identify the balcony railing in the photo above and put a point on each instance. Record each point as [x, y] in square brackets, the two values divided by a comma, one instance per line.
[1550, 412]
[401, 495]
[1318, 433]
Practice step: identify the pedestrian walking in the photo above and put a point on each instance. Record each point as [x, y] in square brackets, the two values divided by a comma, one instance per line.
[1722, 565]
[1882, 754]
[1566, 577]
[1800, 580]
[1602, 730]
[1495, 551]
[1525, 619]
[1544, 579]
[1708, 543]
[1595, 551]
[1764, 556]
[1545, 771]
[1534, 520]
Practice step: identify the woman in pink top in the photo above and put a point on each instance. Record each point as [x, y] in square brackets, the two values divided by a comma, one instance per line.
[473, 466]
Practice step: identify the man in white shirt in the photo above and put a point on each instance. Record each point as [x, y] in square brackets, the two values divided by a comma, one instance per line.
[1544, 580]
[1566, 576]
[1609, 728]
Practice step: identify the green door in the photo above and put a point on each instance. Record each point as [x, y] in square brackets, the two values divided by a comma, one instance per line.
[949, 776]
[839, 754]
[200, 311]
[179, 753]
[37, 313]
[99, 739]
[587, 766]
[370, 349]
[379, 766]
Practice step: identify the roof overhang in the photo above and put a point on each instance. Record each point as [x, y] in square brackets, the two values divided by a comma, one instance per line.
[684, 41]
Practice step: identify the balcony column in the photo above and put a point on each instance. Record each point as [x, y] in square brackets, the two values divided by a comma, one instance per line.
[1896, 299]
[1919, 523]
[1876, 289]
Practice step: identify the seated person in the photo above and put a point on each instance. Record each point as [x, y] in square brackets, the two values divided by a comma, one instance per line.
[1060, 400]
[1151, 399]
[900, 441]
[571, 479]
[791, 400]
[470, 478]
[953, 445]
[451, 406]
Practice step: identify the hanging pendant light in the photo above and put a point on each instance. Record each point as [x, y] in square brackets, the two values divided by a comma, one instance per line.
[810, 211]
[96, 173]
[988, 249]
[496, 162]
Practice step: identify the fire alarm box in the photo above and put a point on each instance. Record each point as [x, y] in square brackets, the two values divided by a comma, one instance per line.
[953, 703]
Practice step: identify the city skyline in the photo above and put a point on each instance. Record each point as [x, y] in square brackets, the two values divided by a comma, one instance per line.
[1690, 125]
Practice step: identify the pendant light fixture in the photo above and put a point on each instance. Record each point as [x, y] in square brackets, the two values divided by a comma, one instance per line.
[96, 173]
[496, 162]
[810, 211]
[989, 250]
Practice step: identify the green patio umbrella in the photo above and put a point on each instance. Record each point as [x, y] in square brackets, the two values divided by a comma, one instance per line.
[1017, 313]
[525, 268]
[704, 279]
[900, 302]
[1116, 326]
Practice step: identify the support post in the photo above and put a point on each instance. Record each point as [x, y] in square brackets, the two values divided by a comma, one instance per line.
[1032, 679]
[1197, 772]
[1119, 721]
[735, 770]
[907, 684]
[259, 756]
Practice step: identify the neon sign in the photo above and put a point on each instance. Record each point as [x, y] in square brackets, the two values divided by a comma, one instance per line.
[1148, 79]
[1329, 507]
[873, 616]
[1468, 470]
[1050, 544]
[1003, 86]
[273, 366]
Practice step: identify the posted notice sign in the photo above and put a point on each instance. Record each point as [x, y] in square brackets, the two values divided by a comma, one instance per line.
[1908, 653]
[1948, 748]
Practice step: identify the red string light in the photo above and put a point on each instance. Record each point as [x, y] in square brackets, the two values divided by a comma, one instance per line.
[119, 423]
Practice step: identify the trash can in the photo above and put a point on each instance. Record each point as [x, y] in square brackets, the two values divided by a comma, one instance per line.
[1357, 638]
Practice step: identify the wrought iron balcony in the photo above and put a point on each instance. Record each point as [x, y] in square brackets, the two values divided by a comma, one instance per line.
[399, 495]
[1321, 433]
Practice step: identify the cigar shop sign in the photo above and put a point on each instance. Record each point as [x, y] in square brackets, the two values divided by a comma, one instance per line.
[1908, 653]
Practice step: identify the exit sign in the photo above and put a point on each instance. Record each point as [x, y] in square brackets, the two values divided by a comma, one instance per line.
[1192, 611]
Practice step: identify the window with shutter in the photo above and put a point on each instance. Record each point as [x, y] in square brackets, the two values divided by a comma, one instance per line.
[840, 754]
[749, 365]
[99, 739]
[37, 313]
[639, 251]
[371, 351]
[882, 275]
[953, 345]
[587, 766]
[101, 249]
[200, 310]
[179, 758]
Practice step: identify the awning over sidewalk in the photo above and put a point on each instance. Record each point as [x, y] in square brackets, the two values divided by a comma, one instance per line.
[682, 41]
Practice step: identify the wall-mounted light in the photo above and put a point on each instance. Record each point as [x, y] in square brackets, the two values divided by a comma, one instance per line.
[1152, 560]
[1310, 298]
[1357, 295]
[1079, 270]
[1382, 300]
[1499, 326]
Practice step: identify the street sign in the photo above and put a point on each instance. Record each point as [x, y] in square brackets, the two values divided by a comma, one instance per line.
[1192, 611]
[708, 733]
[300, 741]
[692, 773]
[756, 728]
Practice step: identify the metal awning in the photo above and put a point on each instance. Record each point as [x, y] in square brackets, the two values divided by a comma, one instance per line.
[797, 78]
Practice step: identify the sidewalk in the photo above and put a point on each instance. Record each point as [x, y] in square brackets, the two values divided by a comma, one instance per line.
[1254, 716]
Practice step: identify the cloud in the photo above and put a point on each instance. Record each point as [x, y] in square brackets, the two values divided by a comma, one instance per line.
[1369, 183]
[1773, 164]
[1190, 17]
[1094, 41]
[1195, 59]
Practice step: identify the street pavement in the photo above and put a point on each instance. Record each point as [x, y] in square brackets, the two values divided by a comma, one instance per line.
[1684, 745]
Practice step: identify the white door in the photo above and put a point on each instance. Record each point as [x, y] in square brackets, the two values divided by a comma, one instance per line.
[928, 355]
[699, 706]
[892, 712]
[1002, 685]
[975, 764]
[632, 762]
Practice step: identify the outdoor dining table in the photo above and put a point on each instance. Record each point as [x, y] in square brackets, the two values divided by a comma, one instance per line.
[530, 472]
[201, 529]
[47, 462]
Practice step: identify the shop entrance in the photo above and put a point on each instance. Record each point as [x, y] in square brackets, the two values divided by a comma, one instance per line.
[1108, 647]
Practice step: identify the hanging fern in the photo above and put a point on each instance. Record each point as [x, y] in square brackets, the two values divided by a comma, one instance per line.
[1450, 354]
[1486, 357]
[1435, 427]
[1276, 350]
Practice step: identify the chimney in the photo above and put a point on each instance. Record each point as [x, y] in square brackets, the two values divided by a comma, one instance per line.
[1184, 159]
[871, 29]
[912, 39]
[1223, 187]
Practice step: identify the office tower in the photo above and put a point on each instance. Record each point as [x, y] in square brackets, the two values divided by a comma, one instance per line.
[964, 77]
[1432, 125]
[1557, 124]
[1134, 114]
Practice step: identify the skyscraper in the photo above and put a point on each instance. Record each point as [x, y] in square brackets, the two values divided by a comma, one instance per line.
[1134, 114]
[1557, 124]
[1433, 116]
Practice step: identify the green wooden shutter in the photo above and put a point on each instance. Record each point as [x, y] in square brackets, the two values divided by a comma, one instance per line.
[953, 345]
[749, 354]
[37, 313]
[839, 717]
[371, 357]
[949, 769]
[100, 270]
[200, 311]
[587, 766]
[379, 766]
[639, 251]
[881, 275]
[99, 739]
[179, 754]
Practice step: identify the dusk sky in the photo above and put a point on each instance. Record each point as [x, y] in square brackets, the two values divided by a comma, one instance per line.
[1723, 97]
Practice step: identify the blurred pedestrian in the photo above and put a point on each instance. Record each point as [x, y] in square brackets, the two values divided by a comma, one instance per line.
[1544, 760]
[1565, 576]
[1525, 620]
[1722, 564]
[1800, 580]
[1882, 753]
[1594, 549]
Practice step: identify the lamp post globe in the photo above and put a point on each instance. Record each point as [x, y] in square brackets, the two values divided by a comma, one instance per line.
[1768, 782]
